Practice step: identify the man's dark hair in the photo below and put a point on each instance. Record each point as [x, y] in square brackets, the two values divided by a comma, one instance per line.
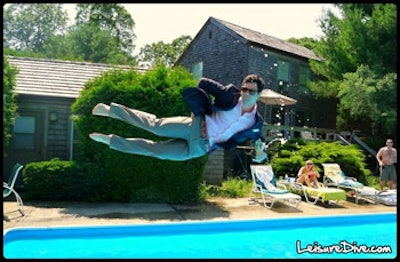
[253, 78]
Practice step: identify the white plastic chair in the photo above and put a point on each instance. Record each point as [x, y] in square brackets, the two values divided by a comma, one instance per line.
[8, 188]
[263, 176]
[334, 176]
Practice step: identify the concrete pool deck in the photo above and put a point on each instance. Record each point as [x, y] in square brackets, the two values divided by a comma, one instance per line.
[44, 214]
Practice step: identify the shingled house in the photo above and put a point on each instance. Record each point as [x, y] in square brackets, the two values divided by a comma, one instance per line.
[45, 91]
[227, 52]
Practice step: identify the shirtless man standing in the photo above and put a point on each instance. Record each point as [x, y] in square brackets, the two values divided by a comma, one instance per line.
[387, 158]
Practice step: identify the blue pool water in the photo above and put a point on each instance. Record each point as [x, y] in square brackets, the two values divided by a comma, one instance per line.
[341, 236]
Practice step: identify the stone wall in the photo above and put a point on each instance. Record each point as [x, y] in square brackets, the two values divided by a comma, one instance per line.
[214, 171]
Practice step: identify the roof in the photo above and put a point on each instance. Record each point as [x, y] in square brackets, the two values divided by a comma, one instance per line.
[269, 41]
[56, 78]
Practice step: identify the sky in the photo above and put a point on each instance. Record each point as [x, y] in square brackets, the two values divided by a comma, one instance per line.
[166, 22]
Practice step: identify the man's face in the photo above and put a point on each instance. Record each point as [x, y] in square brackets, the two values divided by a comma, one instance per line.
[249, 93]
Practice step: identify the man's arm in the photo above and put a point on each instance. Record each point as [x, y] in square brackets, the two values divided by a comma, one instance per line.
[225, 97]
[379, 156]
[211, 86]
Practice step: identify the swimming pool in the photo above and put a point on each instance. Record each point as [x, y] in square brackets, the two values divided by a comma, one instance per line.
[340, 236]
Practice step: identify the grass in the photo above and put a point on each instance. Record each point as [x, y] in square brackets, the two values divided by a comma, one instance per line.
[232, 187]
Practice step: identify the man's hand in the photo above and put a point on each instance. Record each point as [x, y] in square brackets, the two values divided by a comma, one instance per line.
[259, 147]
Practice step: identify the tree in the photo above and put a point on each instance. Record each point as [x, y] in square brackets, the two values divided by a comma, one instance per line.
[61, 47]
[112, 18]
[161, 53]
[98, 46]
[29, 26]
[9, 101]
[307, 42]
[102, 34]
[369, 100]
[366, 34]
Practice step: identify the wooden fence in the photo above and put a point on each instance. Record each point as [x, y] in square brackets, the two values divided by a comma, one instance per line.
[307, 133]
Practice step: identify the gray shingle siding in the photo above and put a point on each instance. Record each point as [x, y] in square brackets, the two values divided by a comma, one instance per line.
[266, 40]
[44, 86]
[229, 52]
[54, 78]
[214, 44]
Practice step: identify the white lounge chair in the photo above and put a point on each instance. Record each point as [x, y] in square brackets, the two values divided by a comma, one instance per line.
[263, 183]
[8, 188]
[312, 195]
[387, 197]
[334, 176]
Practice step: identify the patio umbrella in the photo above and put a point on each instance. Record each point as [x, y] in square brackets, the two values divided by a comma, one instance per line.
[271, 97]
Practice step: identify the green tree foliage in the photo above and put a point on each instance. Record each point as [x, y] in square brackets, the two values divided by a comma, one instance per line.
[307, 42]
[364, 35]
[111, 18]
[61, 47]
[97, 46]
[368, 100]
[103, 33]
[29, 26]
[9, 102]
[133, 178]
[161, 53]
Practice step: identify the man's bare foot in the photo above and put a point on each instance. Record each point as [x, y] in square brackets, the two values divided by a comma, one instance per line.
[105, 139]
[101, 110]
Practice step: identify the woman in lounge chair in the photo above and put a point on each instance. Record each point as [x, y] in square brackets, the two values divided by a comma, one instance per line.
[308, 174]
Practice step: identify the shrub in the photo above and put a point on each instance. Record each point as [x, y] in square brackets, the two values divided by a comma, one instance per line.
[58, 180]
[232, 187]
[133, 178]
[9, 102]
[294, 153]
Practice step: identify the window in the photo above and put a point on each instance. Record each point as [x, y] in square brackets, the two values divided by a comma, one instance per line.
[197, 70]
[24, 133]
[304, 76]
[283, 77]
[283, 71]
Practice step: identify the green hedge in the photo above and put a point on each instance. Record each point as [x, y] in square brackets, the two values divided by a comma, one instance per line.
[58, 180]
[293, 154]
